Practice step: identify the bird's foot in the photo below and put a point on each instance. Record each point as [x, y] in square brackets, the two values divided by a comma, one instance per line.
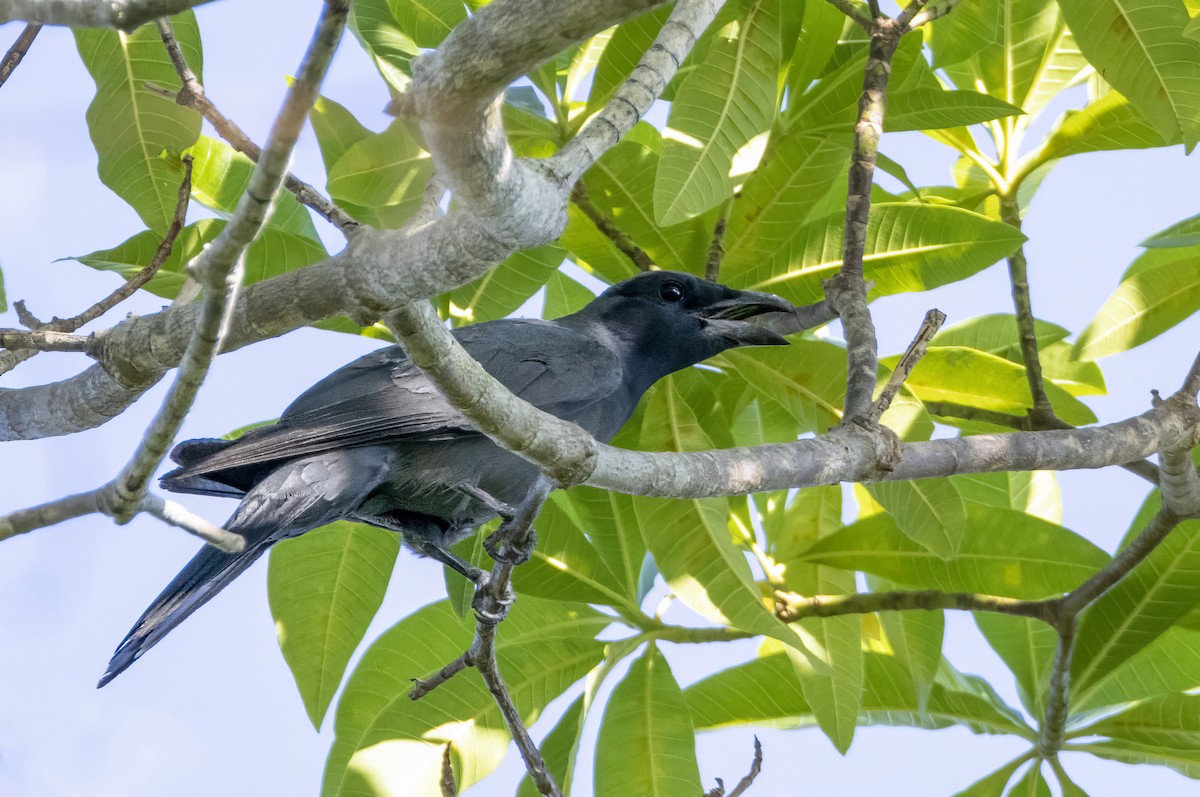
[505, 511]
[490, 608]
[499, 545]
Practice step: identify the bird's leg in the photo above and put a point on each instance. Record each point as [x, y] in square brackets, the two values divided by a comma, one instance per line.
[499, 545]
[425, 547]
[505, 511]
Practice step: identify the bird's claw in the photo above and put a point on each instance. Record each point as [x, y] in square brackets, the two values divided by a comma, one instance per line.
[500, 547]
[492, 609]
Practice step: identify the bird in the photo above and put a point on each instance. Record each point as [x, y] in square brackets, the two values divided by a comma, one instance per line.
[375, 442]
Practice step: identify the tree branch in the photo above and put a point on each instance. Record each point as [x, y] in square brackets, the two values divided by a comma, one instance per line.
[609, 228]
[35, 517]
[121, 14]
[179, 516]
[848, 290]
[790, 606]
[935, 10]
[12, 58]
[716, 248]
[1058, 695]
[916, 350]
[192, 95]
[849, 9]
[219, 267]
[39, 340]
[1042, 412]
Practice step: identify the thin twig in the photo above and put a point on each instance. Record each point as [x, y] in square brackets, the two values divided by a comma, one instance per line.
[910, 11]
[449, 787]
[180, 517]
[424, 687]
[1042, 412]
[935, 10]
[848, 289]
[851, 10]
[219, 267]
[10, 359]
[916, 350]
[1058, 694]
[191, 95]
[609, 228]
[1163, 522]
[49, 513]
[790, 606]
[874, 6]
[716, 249]
[755, 768]
[12, 58]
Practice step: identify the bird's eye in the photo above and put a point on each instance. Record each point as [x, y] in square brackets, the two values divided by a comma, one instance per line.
[671, 292]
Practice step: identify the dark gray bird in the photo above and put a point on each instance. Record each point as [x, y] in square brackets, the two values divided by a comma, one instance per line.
[375, 441]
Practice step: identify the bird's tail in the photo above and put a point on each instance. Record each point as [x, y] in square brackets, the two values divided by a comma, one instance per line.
[203, 577]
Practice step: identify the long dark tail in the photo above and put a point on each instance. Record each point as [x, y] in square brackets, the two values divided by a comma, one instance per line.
[206, 575]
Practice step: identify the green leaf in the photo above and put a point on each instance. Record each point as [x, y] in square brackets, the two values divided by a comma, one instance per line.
[324, 588]
[1027, 648]
[1163, 290]
[1034, 492]
[1183, 233]
[994, 784]
[1032, 783]
[821, 27]
[1016, 50]
[221, 174]
[796, 171]
[1185, 762]
[558, 750]
[1171, 663]
[1006, 553]
[997, 334]
[973, 378]
[831, 676]
[813, 513]
[506, 287]
[592, 250]
[381, 177]
[459, 589]
[129, 126]
[564, 296]
[1140, 49]
[720, 107]
[1170, 721]
[381, 36]
[766, 692]
[928, 109]
[621, 185]
[908, 248]
[387, 743]
[427, 22]
[646, 745]
[611, 522]
[337, 130]
[628, 44]
[1109, 123]
[1143, 605]
[807, 378]
[915, 639]
[931, 511]
[565, 566]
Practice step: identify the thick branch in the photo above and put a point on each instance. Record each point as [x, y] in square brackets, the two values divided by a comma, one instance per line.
[12, 58]
[790, 606]
[39, 340]
[218, 267]
[1179, 482]
[121, 14]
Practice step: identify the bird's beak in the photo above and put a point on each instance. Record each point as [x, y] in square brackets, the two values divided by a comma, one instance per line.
[728, 318]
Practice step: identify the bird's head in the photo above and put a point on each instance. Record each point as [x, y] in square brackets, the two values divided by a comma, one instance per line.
[676, 320]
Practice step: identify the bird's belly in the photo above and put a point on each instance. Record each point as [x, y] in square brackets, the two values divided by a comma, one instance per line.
[425, 477]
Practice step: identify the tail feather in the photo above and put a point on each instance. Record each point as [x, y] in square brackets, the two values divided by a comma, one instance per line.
[203, 577]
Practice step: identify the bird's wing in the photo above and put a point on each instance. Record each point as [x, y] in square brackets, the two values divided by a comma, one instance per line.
[382, 398]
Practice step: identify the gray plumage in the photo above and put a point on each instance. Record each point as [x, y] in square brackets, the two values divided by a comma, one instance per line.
[377, 443]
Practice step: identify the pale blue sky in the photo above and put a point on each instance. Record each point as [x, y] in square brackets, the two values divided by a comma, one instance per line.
[213, 710]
